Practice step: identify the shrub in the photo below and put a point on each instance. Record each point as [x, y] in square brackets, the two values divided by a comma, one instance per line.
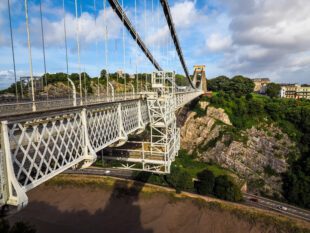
[179, 179]
[206, 182]
[226, 189]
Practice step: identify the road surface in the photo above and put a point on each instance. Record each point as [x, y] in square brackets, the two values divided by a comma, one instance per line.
[265, 203]
[250, 199]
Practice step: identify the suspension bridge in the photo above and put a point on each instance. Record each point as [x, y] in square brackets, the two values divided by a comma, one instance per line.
[42, 138]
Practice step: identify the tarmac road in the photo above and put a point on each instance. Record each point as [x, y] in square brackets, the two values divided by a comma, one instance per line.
[250, 199]
[286, 209]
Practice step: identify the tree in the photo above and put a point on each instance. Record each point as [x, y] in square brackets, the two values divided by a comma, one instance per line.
[206, 182]
[296, 182]
[241, 86]
[273, 90]
[256, 106]
[181, 80]
[226, 189]
[220, 83]
[179, 179]
[103, 73]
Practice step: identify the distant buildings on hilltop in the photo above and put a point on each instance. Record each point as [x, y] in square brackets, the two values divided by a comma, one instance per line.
[261, 85]
[288, 90]
[295, 91]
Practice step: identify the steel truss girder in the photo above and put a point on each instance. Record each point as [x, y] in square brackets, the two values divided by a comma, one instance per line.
[162, 101]
[35, 150]
[37, 147]
[161, 105]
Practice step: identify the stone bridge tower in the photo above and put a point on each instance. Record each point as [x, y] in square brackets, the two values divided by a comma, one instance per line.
[200, 77]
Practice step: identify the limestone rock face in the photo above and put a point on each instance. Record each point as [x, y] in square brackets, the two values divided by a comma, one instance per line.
[218, 114]
[200, 130]
[259, 158]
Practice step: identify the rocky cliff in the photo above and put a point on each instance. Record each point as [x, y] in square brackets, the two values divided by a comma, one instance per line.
[258, 155]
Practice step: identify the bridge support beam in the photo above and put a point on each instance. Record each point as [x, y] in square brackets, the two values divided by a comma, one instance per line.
[156, 154]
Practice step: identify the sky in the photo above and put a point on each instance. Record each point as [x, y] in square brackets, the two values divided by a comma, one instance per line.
[254, 38]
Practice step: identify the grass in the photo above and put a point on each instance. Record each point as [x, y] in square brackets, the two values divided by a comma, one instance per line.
[187, 163]
[258, 96]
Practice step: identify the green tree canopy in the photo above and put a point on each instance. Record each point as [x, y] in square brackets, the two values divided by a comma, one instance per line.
[226, 189]
[296, 185]
[220, 83]
[241, 86]
[206, 182]
[103, 73]
[179, 179]
[273, 90]
[238, 85]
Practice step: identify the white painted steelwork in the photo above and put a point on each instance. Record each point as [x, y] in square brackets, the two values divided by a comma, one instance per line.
[37, 147]
[157, 154]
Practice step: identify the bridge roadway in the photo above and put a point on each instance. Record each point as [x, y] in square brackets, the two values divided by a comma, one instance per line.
[15, 109]
[36, 146]
[260, 202]
[22, 107]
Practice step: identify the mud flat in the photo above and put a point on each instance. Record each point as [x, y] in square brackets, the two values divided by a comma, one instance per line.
[71, 203]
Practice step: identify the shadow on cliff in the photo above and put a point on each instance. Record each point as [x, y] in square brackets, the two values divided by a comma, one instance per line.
[121, 214]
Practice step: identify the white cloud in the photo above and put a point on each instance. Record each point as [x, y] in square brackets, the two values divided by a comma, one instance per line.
[90, 29]
[185, 14]
[217, 42]
[186, 18]
[7, 77]
[268, 37]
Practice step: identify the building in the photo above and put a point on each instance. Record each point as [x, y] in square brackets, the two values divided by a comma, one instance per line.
[295, 91]
[303, 92]
[261, 85]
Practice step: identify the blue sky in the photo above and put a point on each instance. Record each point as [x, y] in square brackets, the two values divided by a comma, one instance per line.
[256, 38]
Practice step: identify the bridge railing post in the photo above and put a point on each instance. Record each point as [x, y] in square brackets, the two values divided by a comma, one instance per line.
[73, 91]
[12, 192]
[89, 153]
[140, 120]
[112, 91]
[122, 133]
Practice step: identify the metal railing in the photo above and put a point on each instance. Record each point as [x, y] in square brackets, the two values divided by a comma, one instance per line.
[43, 105]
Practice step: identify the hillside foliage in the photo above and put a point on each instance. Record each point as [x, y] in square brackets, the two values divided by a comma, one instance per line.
[292, 116]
